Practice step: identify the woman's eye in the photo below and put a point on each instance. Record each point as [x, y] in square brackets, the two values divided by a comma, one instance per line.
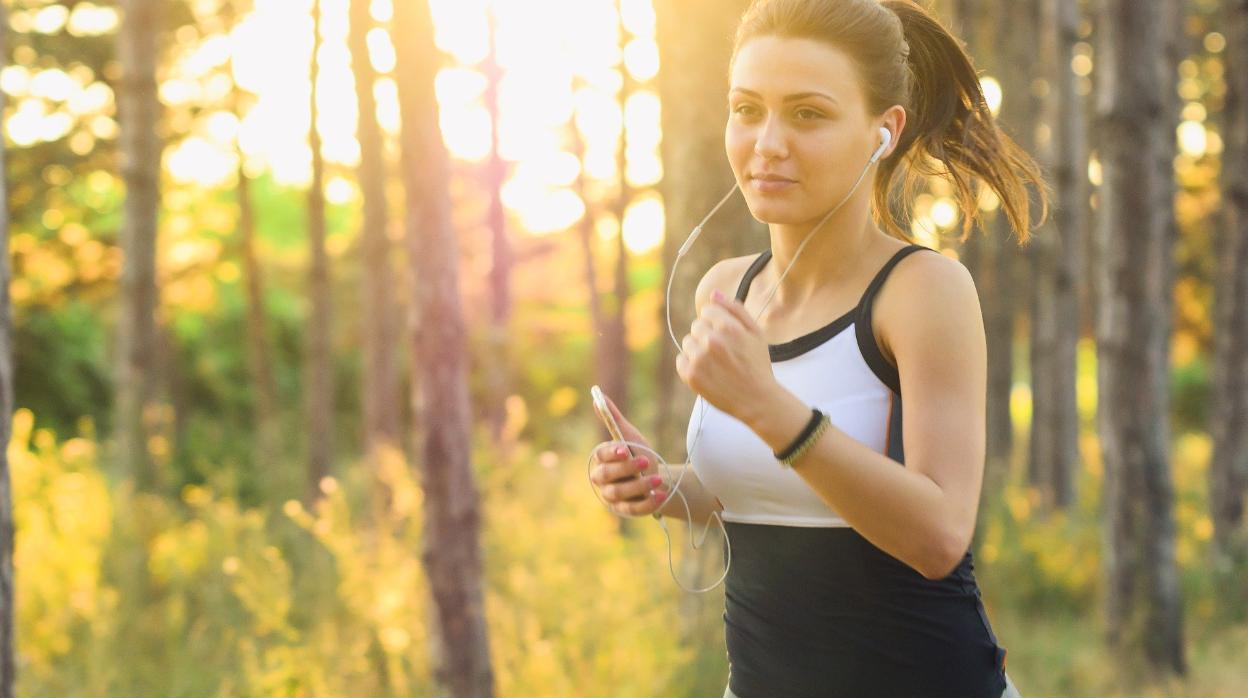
[803, 114]
[813, 114]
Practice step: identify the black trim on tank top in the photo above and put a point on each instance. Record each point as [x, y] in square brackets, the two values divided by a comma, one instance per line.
[885, 371]
[871, 353]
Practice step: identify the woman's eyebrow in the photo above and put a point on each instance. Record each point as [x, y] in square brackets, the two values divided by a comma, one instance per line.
[790, 98]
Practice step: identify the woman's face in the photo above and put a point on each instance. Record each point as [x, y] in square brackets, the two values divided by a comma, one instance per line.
[795, 110]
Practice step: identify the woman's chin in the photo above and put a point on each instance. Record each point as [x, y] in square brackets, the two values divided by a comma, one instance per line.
[772, 213]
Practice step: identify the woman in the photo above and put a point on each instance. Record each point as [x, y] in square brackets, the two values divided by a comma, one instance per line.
[849, 512]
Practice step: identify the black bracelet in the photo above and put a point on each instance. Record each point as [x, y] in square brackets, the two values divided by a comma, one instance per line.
[815, 416]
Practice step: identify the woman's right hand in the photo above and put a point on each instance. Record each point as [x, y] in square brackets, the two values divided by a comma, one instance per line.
[626, 482]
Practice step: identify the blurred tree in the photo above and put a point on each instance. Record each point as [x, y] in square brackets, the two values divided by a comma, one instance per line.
[615, 380]
[1144, 609]
[7, 650]
[138, 111]
[694, 38]
[259, 350]
[1228, 468]
[695, 47]
[452, 556]
[1055, 257]
[1012, 52]
[380, 384]
[318, 364]
[502, 260]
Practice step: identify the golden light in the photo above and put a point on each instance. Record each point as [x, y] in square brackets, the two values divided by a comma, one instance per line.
[1094, 169]
[992, 93]
[50, 19]
[196, 160]
[1192, 138]
[643, 225]
[944, 213]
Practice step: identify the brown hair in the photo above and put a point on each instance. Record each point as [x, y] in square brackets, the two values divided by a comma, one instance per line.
[905, 56]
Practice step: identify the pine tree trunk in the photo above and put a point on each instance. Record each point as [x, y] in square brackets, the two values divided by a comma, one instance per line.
[1230, 382]
[380, 384]
[498, 376]
[1228, 469]
[694, 39]
[318, 366]
[1055, 260]
[140, 148]
[452, 555]
[693, 88]
[259, 351]
[8, 678]
[1144, 610]
[619, 361]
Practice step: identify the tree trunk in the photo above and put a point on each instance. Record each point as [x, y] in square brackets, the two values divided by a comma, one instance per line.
[259, 352]
[8, 678]
[693, 89]
[1144, 610]
[318, 364]
[452, 555]
[1055, 253]
[498, 377]
[380, 388]
[1228, 468]
[618, 360]
[140, 150]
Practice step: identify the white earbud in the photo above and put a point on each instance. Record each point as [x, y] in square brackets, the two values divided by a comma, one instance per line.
[887, 136]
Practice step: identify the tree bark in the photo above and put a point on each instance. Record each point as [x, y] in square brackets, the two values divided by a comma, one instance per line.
[8, 678]
[380, 384]
[497, 373]
[1144, 610]
[318, 365]
[693, 89]
[1055, 256]
[137, 113]
[1228, 469]
[259, 351]
[452, 556]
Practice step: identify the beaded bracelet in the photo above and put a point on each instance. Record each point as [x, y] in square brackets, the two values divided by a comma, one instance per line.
[819, 423]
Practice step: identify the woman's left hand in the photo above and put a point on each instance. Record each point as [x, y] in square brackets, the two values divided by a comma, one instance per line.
[725, 358]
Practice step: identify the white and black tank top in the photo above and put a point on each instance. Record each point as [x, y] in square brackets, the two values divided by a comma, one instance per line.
[811, 607]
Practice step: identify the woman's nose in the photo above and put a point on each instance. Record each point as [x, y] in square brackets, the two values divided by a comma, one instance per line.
[769, 142]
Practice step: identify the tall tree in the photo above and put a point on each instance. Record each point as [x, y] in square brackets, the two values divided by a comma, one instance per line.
[259, 347]
[138, 110]
[7, 651]
[983, 254]
[1001, 261]
[502, 258]
[693, 89]
[1144, 609]
[452, 554]
[1228, 469]
[615, 380]
[381, 387]
[1055, 257]
[319, 387]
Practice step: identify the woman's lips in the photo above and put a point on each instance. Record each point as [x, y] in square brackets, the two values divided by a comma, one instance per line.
[771, 185]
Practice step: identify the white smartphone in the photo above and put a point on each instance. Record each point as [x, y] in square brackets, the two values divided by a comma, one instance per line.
[604, 413]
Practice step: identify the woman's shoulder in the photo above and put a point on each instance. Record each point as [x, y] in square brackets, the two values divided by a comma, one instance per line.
[723, 276]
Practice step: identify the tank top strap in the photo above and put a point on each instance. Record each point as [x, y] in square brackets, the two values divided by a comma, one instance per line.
[868, 296]
[885, 371]
[744, 287]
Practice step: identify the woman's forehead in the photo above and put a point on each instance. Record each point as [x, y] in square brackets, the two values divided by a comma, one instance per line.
[779, 67]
